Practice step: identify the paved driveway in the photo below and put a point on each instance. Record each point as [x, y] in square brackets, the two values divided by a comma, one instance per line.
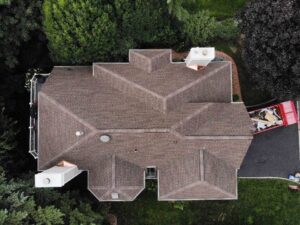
[273, 153]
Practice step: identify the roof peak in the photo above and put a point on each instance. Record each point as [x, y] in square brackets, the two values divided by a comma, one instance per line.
[149, 60]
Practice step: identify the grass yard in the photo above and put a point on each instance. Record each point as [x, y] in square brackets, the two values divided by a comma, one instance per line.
[263, 202]
[221, 9]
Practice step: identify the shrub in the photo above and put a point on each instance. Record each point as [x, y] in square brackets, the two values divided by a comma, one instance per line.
[236, 98]
[200, 28]
[176, 8]
[79, 32]
[272, 45]
[227, 29]
[145, 23]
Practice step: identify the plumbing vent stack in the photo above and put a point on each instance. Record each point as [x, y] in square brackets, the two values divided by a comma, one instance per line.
[199, 57]
[56, 176]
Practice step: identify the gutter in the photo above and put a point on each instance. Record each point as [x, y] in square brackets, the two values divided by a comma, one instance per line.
[33, 112]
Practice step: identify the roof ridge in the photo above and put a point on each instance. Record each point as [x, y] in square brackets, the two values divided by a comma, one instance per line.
[216, 188]
[227, 164]
[92, 129]
[189, 117]
[123, 193]
[123, 79]
[220, 190]
[135, 130]
[215, 156]
[66, 110]
[202, 180]
[98, 197]
[181, 189]
[218, 137]
[90, 135]
[202, 78]
[125, 160]
[164, 51]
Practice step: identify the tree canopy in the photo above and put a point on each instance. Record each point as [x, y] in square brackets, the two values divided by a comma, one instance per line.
[271, 45]
[18, 19]
[91, 30]
[145, 23]
[79, 31]
[21, 203]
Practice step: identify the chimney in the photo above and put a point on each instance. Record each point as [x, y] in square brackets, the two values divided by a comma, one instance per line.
[57, 176]
[198, 58]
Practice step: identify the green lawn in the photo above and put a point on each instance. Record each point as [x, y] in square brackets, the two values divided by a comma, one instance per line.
[219, 8]
[263, 202]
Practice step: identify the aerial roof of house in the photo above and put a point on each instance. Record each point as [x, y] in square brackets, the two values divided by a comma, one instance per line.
[114, 120]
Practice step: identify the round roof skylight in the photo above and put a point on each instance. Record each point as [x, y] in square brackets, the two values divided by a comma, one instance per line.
[105, 138]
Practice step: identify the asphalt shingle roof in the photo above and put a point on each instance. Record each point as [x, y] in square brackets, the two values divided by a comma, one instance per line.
[157, 113]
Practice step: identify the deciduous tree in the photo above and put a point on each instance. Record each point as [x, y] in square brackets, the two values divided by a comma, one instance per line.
[271, 46]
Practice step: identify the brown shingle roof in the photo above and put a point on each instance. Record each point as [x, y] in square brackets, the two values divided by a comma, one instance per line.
[190, 177]
[163, 114]
[112, 174]
[169, 86]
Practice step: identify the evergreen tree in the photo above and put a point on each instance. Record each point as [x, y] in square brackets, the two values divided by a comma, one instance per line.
[18, 20]
[21, 203]
[8, 143]
[200, 28]
[176, 8]
[80, 32]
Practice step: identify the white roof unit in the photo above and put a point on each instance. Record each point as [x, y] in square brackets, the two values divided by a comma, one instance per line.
[199, 57]
[115, 195]
[56, 176]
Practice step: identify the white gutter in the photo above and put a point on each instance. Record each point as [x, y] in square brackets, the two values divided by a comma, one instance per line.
[33, 120]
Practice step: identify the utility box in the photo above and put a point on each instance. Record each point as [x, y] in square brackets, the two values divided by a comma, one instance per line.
[199, 57]
[56, 176]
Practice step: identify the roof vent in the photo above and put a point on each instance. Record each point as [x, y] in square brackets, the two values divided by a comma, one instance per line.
[114, 195]
[199, 57]
[79, 133]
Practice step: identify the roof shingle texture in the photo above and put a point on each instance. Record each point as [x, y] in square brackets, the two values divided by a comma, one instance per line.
[157, 113]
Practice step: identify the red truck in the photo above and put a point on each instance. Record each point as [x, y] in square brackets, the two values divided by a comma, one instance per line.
[282, 114]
